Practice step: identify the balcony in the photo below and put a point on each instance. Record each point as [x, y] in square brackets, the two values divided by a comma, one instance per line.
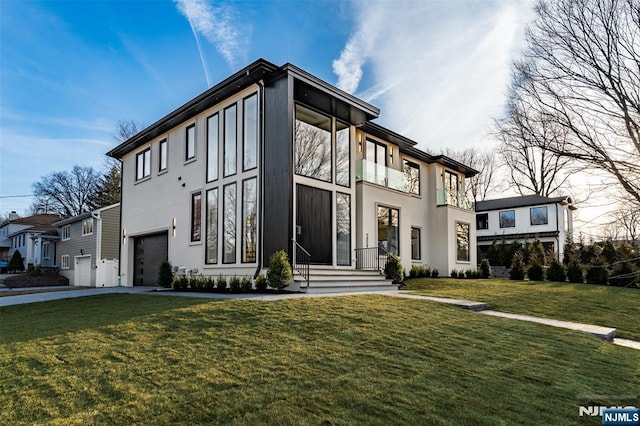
[368, 171]
[456, 199]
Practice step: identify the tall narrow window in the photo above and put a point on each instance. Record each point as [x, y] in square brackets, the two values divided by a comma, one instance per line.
[343, 228]
[452, 186]
[190, 144]
[196, 215]
[45, 250]
[343, 155]
[229, 224]
[250, 132]
[230, 141]
[143, 164]
[415, 243]
[388, 226]
[66, 232]
[212, 226]
[212, 147]
[64, 260]
[249, 219]
[462, 242]
[162, 161]
[312, 156]
[412, 177]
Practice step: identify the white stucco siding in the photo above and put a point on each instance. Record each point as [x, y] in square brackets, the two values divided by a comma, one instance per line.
[154, 203]
[522, 221]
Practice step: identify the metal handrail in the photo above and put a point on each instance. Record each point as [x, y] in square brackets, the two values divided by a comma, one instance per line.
[371, 258]
[301, 266]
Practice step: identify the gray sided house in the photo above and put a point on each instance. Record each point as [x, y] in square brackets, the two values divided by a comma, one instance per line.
[33, 236]
[273, 158]
[88, 245]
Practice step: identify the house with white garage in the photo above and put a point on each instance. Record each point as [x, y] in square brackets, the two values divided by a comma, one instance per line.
[524, 218]
[274, 158]
[87, 247]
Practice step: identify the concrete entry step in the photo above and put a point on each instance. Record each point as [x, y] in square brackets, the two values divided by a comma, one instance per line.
[464, 304]
[606, 333]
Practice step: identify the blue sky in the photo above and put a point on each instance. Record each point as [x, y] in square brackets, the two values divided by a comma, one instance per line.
[70, 70]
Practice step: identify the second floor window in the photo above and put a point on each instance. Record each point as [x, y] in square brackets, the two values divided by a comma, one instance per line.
[412, 177]
[162, 162]
[482, 221]
[539, 216]
[190, 144]
[143, 164]
[66, 232]
[312, 156]
[87, 226]
[507, 219]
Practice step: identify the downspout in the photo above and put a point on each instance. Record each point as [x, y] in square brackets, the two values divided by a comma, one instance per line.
[98, 242]
[259, 247]
[558, 232]
[120, 235]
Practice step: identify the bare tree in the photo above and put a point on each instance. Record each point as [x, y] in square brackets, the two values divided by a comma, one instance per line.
[480, 186]
[627, 219]
[312, 151]
[109, 186]
[581, 73]
[525, 139]
[127, 128]
[67, 193]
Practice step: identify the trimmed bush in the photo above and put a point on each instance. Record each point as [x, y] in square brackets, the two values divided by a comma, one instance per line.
[234, 284]
[34, 270]
[535, 272]
[485, 268]
[469, 274]
[597, 272]
[165, 275]
[517, 267]
[261, 283]
[279, 274]
[180, 283]
[414, 272]
[556, 271]
[575, 273]
[454, 273]
[393, 269]
[434, 273]
[17, 262]
[210, 283]
[246, 284]
[221, 283]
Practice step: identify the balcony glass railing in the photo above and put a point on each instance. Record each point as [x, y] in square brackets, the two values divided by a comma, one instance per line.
[369, 171]
[451, 198]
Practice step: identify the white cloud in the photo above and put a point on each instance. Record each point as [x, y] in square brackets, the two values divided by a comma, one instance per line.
[220, 26]
[439, 70]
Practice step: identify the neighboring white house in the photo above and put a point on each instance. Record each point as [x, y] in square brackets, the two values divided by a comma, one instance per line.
[523, 219]
[87, 248]
[32, 236]
[274, 158]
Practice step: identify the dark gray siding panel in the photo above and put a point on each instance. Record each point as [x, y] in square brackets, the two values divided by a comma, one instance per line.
[278, 173]
[110, 233]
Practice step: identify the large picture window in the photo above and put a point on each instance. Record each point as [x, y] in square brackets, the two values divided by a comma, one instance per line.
[313, 152]
[539, 216]
[212, 226]
[507, 219]
[229, 224]
[388, 226]
[190, 143]
[196, 214]
[343, 155]
[249, 218]
[250, 132]
[462, 242]
[143, 164]
[343, 228]
[230, 141]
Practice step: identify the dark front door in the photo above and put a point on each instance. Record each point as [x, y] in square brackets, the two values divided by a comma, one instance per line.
[313, 222]
[149, 252]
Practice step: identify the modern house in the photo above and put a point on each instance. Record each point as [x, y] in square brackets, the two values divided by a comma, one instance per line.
[274, 158]
[87, 247]
[523, 219]
[33, 236]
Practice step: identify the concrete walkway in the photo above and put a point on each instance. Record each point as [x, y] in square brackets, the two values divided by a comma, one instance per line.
[605, 333]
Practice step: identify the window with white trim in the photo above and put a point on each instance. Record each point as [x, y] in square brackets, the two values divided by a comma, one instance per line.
[45, 250]
[66, 232]
[87, 226]
[64, 261]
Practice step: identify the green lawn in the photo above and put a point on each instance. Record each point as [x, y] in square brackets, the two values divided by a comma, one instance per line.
[591, 304]
[134, 359]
